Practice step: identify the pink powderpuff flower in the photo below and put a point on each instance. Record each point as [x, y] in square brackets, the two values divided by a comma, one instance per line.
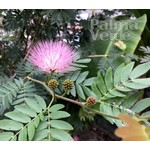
[51, 56]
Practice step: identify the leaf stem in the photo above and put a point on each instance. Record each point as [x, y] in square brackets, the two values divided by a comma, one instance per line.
[64, 94]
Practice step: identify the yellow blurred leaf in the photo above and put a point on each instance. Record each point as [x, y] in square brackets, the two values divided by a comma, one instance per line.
[133, 130]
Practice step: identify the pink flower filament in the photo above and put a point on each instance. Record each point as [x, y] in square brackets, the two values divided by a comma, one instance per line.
[52, 56]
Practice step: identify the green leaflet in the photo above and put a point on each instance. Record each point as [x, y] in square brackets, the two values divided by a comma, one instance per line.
[100, 84]
[88, 92]
[42, 125]
[96, 90]
[23, 135]
[10, 89]
[141, 105]
[31, 131]
[126, 72]
[13, 85]
[40, 135]
[140, 70]
[2, 89]
[117, 74]
[5, 136]
[56, 107]
[130, 100]
[73, 91]
[36, 121]
[77, 66]
[108, 95]
[82, 77]
[134, 86]
[33, 104]
[89, 81]
[18, 101]
[61, 135]
[17, 116]
[146, 113]
[122, 88]
[87, 60]
[40, 101]
[19, 82]
[143, 81]
[80, 91]
[75, 75]
[59, 124]
[116, 93]
[116, 112]
[26, 110]
[59, 114]
[7, 124]
[41, 116]
[109, 79]
[106, 109]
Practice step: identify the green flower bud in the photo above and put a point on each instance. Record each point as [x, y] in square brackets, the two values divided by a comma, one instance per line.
[52, 83]
[68, 84]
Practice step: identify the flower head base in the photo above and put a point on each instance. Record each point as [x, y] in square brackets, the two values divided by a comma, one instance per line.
[51, 56]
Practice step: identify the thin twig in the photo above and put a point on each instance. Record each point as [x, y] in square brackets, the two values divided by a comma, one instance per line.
[70, 100]
[97, 56]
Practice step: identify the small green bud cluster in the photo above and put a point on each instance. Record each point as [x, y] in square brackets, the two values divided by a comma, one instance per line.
[52, 83]
[68, 84]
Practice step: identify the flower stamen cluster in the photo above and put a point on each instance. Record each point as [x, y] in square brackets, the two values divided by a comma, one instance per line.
[51, 56]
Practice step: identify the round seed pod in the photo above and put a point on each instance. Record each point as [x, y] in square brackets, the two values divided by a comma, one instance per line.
[90, 101]
[68, 84]
[52, 83]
